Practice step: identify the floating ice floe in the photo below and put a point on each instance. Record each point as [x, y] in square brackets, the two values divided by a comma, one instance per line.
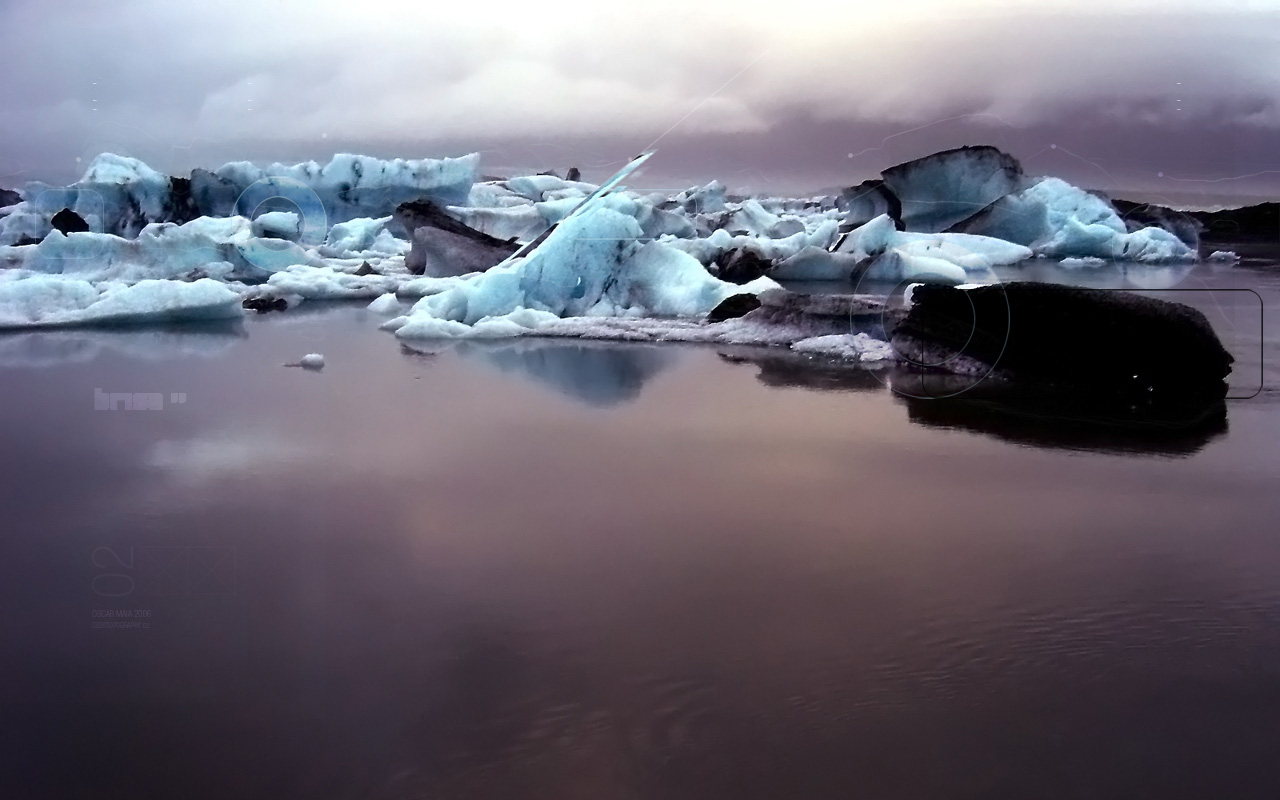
[49, 300]
[850, 346]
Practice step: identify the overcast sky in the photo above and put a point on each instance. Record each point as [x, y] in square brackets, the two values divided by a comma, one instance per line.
[1172, 97]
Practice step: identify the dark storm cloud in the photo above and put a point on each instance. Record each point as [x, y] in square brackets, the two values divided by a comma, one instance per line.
[766, 95]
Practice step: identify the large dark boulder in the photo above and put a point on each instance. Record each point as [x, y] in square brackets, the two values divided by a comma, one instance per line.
[1110, 348]
[68, 221]
[444, 246]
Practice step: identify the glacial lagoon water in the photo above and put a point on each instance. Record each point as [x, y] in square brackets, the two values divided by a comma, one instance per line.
[550, 569]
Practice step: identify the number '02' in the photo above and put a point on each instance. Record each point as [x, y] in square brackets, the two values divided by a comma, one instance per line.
[113, 579]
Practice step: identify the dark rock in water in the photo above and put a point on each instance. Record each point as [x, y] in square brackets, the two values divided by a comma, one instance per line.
[574, 174]
[265, 304]
[1145, 357]
[1251, 223]
[742, 265]
[940, 190]
[365, 269]
[444, 246]
[68, 221]
[1148, 215]
[865, 202]
[734, 306]
[9, 197]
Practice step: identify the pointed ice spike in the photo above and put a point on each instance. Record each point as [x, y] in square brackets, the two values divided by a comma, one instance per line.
[605, 189]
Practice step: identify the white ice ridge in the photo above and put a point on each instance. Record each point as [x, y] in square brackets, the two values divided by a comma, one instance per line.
[51, 301]
[122, 195]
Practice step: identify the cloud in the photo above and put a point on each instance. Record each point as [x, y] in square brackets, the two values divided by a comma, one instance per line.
[163, 80]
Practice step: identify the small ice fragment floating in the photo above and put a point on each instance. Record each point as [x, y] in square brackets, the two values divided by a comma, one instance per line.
[311, 361]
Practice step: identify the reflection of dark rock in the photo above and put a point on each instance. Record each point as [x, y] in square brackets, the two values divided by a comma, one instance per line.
[1240, 224]
[785, 368]
[1137, 216]
[939, 190]
[819, 314]
[8, 197]
[742, 265]
[1071, 424]
[866, 201]
[1150, 357]
[444, 246]
[597, 374]
[68, 221]
[734, 306]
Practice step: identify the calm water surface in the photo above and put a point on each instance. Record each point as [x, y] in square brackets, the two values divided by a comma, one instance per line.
[557, 570]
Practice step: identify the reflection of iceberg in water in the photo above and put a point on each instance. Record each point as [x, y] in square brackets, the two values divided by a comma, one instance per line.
[1069, 422]
[51, 348]
[595, 373]
[787, 369]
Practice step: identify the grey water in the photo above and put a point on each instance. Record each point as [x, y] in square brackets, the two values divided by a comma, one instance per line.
[553, 569]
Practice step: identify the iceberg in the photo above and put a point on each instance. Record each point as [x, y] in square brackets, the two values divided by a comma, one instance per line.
[221, 248]
[121, 196]
[1058, 220]
[53, 301]
[593, 265]
[939, 190]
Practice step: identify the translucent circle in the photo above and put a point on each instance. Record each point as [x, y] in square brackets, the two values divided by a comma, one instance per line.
[960, 382]
[266, 253]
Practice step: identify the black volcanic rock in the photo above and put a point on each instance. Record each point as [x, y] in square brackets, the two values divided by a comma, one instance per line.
[1251, 223]
[574, 174]
[1108, 347]
[734, 306]
[68, 221]
[742, 265]
[444, 246]
[942, 189]
[265, 304]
